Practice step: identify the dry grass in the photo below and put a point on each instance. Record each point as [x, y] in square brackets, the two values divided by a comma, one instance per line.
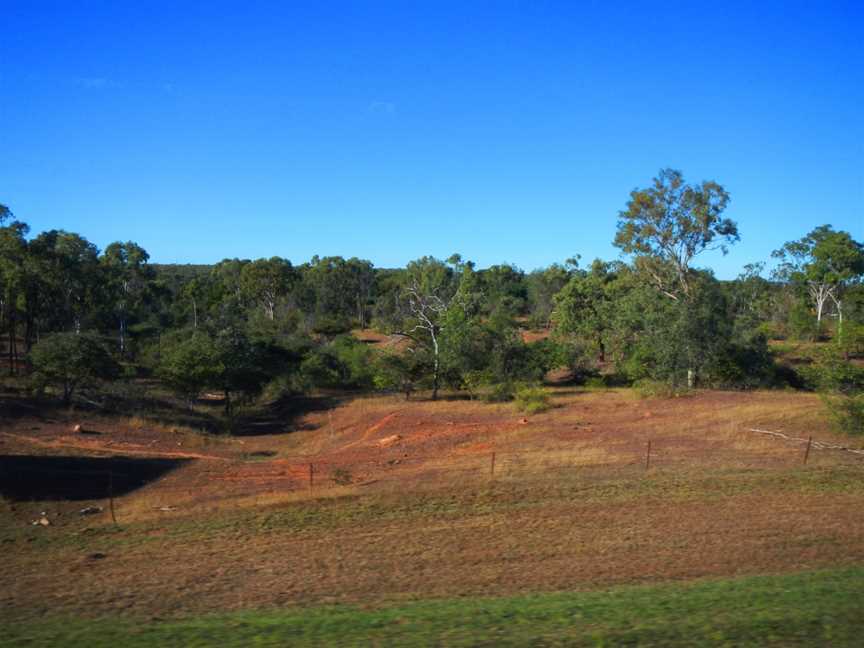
[570, 505]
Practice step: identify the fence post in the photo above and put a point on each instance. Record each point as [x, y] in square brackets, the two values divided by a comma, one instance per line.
[492, 466]
[311, 477]
[111, 496]
[648, 456]
[807, 451]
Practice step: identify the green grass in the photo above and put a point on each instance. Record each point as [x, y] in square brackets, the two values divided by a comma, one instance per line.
[819, 608]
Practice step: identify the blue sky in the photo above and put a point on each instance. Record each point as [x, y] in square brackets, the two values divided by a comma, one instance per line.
[508, 131]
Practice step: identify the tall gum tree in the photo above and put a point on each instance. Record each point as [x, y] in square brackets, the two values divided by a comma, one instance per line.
[664, 227]
[825, 262]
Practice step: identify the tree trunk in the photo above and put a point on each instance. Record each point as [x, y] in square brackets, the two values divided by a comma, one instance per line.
[11, 349]
[436, 368]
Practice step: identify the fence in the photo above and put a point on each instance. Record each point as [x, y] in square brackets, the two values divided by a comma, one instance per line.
[160, 483]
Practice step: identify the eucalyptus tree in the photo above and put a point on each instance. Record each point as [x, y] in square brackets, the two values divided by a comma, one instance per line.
[584, 306]
[13, 280]
[825, 262]
[425, 299]
[667, 225]
[504, 289]
[128, 279]
[65, 267]
[541, 287]
[267, 282]
[342, 287]
[664, 227]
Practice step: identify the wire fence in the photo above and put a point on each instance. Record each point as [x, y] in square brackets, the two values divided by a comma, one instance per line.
[321, 476]
[169, 484]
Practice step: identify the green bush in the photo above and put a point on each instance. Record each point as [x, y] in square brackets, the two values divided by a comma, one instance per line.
[188, 366]
[71, 361]
[532, 400]
[647, 388]
[502, 392]
[847, 412]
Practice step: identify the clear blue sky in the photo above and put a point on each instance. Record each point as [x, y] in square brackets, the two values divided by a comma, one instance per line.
[509, 131]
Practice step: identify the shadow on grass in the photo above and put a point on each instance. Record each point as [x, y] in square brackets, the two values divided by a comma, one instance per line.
[17, 404]
[28, 477]
[282, 416]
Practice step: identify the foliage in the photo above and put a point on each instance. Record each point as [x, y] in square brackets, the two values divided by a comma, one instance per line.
[823, 264]
[532, 399]
[841, 385]
[71, 361]
[846, 411]
[647, 388]
[668, 224]
[402, 372]
[344, 362]
[190, 364]
[242, 324]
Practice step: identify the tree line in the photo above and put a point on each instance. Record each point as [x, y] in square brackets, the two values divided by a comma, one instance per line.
[71, 313]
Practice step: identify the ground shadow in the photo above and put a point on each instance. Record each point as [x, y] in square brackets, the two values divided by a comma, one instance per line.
[18, 404]
[29, 477]
[283, 416]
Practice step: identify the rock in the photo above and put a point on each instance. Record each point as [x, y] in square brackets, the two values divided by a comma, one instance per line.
[386, 442]
[43, 521]
[90, 510]
[523, 421]
[78, 429]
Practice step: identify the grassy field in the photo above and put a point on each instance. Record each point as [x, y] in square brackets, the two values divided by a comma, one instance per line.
[729, 538]
[816, 608]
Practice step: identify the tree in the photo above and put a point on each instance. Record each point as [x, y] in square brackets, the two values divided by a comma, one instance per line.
[342, 288]
[504, 289]
[65, 271]
[584, 306]
[399, 371]
[825, 262]
[670, 223]
[242, 366]
[190, 365]
[425, 300]
[13, 280]
[542, 286]
[267, 281]
[127, 282]
[72, 361]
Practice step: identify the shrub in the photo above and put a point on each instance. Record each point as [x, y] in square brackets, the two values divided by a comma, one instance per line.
[841, 384]
[847, 412]
[342, 477]
[532, 400]
[187, 366]
[647, 388]
[498, 392]
[71, 361]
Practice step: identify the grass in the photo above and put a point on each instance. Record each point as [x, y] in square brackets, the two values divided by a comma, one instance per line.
[814, 608]
[570, 508]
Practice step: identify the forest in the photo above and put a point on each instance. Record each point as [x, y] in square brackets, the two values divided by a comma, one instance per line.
[78, 322]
